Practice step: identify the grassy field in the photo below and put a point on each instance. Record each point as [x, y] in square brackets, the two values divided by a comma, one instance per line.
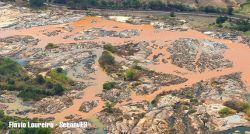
[244, 9]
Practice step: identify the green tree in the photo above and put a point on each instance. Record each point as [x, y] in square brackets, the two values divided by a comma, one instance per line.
[1, 114]
[108, 85]
[230, 11]
[221, 19]
[59, 70]
[36, 3]
[110, 48]
[58, 89]
[156, 5]
[40, 79]
[172, 14]
[106, 59]
[49, 85]
[51, 46]
[11, 82]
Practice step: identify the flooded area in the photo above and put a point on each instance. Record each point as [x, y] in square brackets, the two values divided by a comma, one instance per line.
[233, 58]
[237, 53]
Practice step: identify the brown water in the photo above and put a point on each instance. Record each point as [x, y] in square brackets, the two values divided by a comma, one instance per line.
[238, 53]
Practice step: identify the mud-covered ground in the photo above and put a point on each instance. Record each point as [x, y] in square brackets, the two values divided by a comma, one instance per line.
[184, 76]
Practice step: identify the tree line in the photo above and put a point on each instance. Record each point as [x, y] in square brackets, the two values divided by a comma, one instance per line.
[133, 4]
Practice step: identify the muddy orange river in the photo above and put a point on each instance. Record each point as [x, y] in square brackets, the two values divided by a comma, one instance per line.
[238, 53]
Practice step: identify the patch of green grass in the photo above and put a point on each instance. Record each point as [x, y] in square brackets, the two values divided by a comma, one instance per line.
[238, 105]
[9, 67]
[247, 33]
[226, 111]
[244, 9]
[59, 75]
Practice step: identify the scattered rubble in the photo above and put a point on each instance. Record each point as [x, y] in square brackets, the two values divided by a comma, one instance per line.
[52, 105]
[95, 33]
[171, 24]
[7, 98]
[134, 51]
[152, 81]
[223, 35]
[120, 93]
[198, 55]
[3, 106]
[52, 33]
[62, 57]
[13, 45]
[88, 106]
[188, 110]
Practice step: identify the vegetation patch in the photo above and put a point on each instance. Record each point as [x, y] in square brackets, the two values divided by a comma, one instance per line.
[107, 61]
[13, 77]
[108, 85]
[4, 122]
[221, 19]
[131, 75]
[226, 112]
[238, 106]
[110, 48]
[59, 75]
[51, 46]
[36, 3]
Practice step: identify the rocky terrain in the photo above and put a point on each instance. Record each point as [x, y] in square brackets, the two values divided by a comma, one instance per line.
[187, 110]
[198, 55]
[122, 74]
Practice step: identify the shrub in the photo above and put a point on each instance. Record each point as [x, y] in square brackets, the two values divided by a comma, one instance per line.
[9, 67]
[226, 111]
[1, 114]
[49, 85]
[248, 112]
[32, 94]
[11, 82]
[58, 89]
[36, 3]
[172, 14]
[59, 70]
[40, 79]
[109, 106]
[238, 106]
[59, 75]
[242, 25]
[131, 75]
[106, 60]
[108, 85]
[230, 11]
[109, 48]
[221, 19]
[194, 100]
[156, 5]
[233, 104]
[51, 46]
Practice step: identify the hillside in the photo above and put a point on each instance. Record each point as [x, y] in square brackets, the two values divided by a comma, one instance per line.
[202, 3]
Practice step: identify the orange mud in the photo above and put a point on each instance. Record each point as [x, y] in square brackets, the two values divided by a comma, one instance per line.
[238, 53]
